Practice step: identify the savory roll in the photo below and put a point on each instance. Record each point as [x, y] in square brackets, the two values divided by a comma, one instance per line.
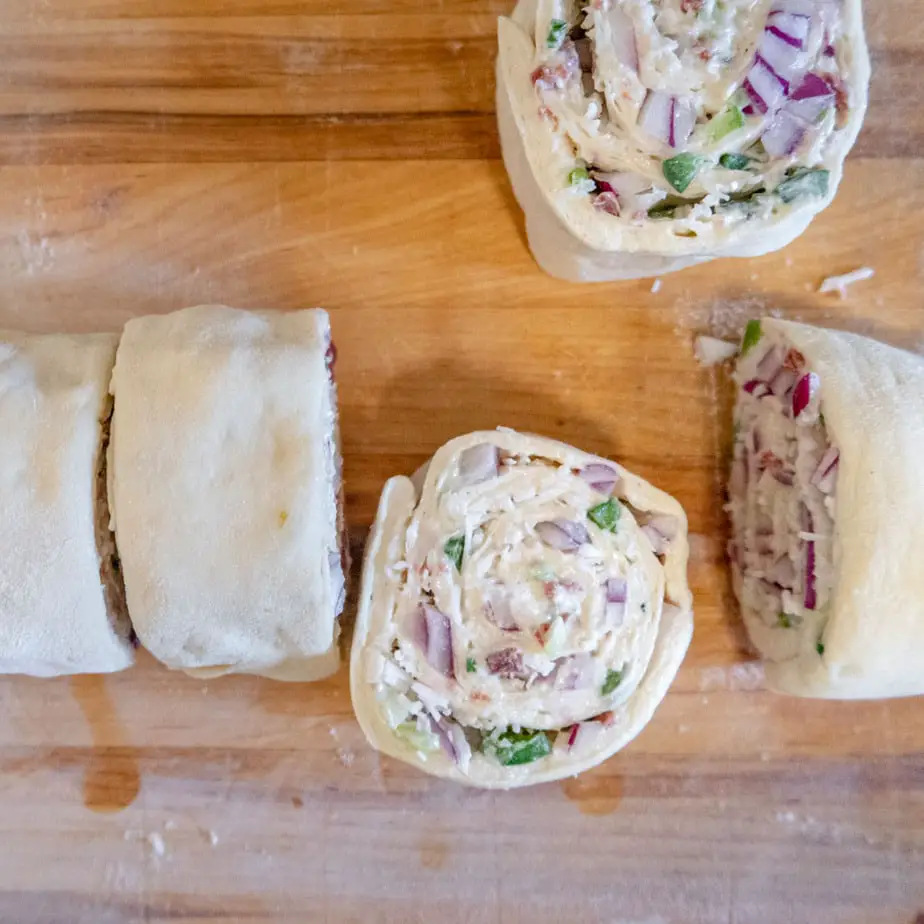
[524, 609]
[827, 510]
[61, 604]
[644, 136]
[226, 490]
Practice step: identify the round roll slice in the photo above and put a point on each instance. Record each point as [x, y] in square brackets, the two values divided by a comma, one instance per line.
[644, 136]
[827, 510]
[524, 609]
[62, 607]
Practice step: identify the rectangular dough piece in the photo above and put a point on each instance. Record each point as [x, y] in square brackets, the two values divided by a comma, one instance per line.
[226, 490]
[61, 603]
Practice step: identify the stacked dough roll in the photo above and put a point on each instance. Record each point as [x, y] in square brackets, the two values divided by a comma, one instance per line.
[223, 476]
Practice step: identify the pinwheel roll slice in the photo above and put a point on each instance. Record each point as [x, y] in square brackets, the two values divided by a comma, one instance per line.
[524, 609]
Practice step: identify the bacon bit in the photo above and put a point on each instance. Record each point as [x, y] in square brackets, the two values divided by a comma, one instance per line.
[542, 633]
[606, 719]
[607, 202]
[691, 6]
[602, 5]
[548, 588]
[480, 697]
[841, 100]
[508, 663]
[794, 361]
[705, 54]
[555, 76]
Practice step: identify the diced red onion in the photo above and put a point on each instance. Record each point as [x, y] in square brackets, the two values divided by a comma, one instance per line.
[454, 743]
[668, 118]
[435, 634]
[602, 478]
[782, 382]
[779, 55]
[765, 89]
[508, 662]
[497, 612]
[623, 37]
[802, 393]
[478, 463]
[784, 134]
[572, 736]
[587, 734]
[656, 115]
[607, 202]
[575, 672]
[756, 388]
[826, 472]
[634, 191]
[790, 28]
[564, 535]
[813, 96]
[812, 87]
[683, 118]
[617, 590]
[770, 364]
[809, 110]
[811, 597]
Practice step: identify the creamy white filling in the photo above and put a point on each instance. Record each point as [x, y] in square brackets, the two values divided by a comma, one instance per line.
[594, 85]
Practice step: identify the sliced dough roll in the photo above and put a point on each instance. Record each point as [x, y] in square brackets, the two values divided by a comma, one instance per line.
[827, 509]
[645, 136]
[226, 490]
[61, 602]
[524, 609]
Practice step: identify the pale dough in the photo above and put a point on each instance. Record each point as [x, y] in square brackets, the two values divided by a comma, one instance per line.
[54, 611]
[225, 477]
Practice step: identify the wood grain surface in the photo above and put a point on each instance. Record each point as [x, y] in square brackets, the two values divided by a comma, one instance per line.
[282, 153]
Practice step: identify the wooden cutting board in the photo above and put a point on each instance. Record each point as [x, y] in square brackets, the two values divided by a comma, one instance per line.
[272, 153]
